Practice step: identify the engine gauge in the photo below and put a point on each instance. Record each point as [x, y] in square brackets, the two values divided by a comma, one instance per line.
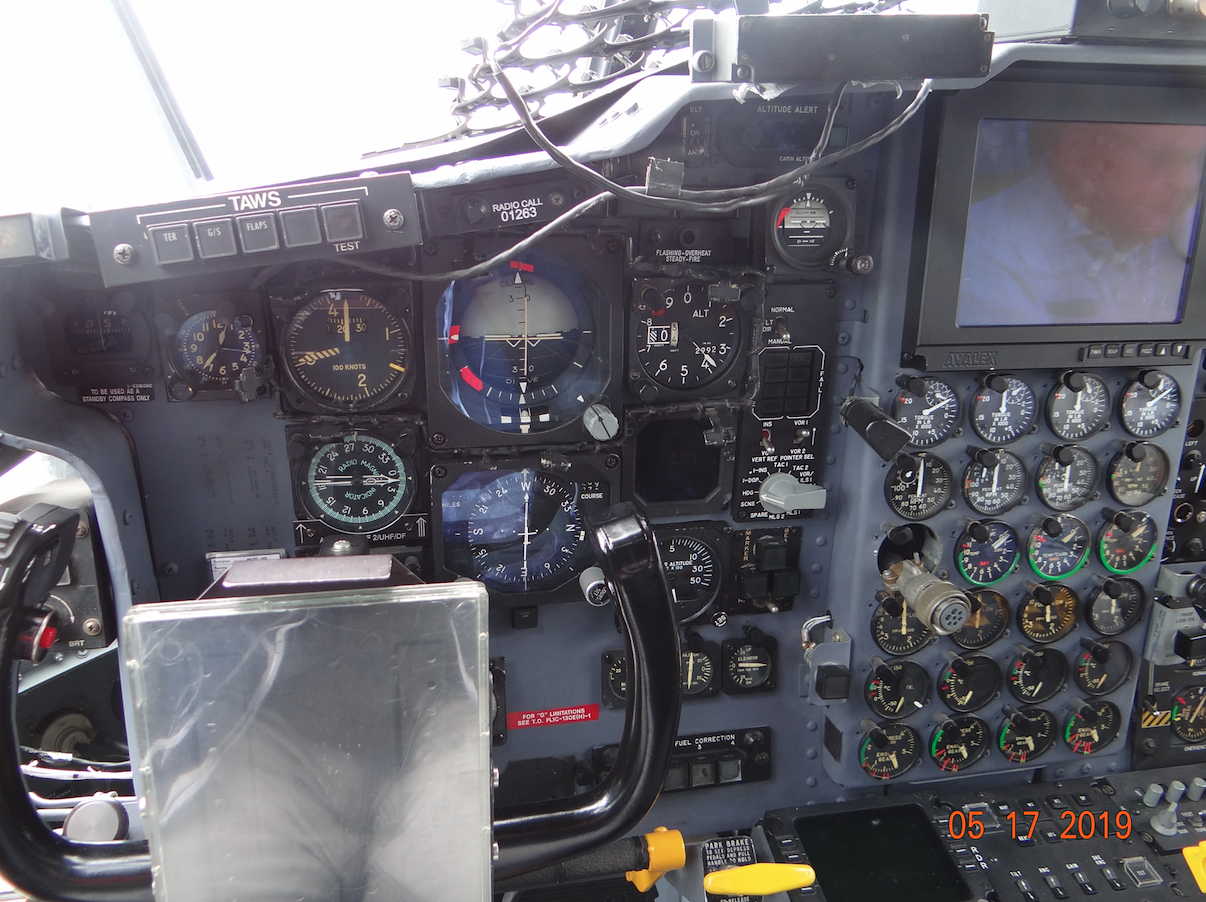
[1102, 666]
[986, 552]
[698, 674]
[1003, 410]
[1048, 612]
[994, 482]
[1036, 674]
[693, 573]
[1138, 473]
[810, 226]
[987, 622]
[517, 346]
[927, 408]
[959, 742]
[1058, 546]
[1092, 727]
[1127, 541]
[357, 485]
[1115, 606]
[212, 351]
[918, 485]
[749, 663]
[1150, 404]
[896, 628]
[1189, 713]
[969, 683]
[614, 673]
[1026, 734]
[345, 350]
[898, 689]
[1067, 478]
[888, 750]
[1078, 406]
[684, 341]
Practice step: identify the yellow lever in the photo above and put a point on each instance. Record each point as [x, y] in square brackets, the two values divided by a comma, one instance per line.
[1195, 857]
[759, 879]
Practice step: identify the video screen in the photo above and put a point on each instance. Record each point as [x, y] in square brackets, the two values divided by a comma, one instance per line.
[1080, 223]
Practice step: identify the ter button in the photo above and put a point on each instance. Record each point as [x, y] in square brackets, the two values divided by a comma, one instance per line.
[171, 243]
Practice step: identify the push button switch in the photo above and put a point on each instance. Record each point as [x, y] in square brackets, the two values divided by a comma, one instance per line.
[300, 227]
[171, 243]
[215, 238]
[343, 222]
[257, 233]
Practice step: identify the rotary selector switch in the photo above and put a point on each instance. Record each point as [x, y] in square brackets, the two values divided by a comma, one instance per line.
[782, 493]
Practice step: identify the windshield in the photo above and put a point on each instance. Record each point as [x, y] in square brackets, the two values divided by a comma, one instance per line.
[270, 91]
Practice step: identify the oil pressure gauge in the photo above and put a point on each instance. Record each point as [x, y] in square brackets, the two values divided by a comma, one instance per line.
[888, 750]
[959, 742]
[1026, 734]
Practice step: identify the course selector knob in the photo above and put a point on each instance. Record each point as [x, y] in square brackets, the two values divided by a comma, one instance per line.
[782, 493]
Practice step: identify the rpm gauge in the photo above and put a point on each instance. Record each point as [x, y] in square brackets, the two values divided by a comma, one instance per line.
[684, 340]
[810, 226]
[345, 350]
[918, 485]
[994, 482]
[518, 345]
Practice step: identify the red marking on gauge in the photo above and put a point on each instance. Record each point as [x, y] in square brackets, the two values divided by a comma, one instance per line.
[454, 335]
[471, 377]
[522, 267]
[782, 216]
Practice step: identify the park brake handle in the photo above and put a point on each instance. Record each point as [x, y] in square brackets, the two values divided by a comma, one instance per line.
[543, 833]
[34, 548]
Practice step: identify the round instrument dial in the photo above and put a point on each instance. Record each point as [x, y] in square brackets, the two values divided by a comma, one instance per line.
[1067, 479]
[212, 351]
[345, 350]
[357, 485]
[1102, 666]
[987, 622]
[1115, 606]
[1027, 734]
[1048, 612]
[91, 329]
[1189, 713]
[932, 419]
[693, 573]
[1037, 674]
[1127, 541]
[616, 671]
[994, 482]
[1003, 410]
[1138, 473]
[969, 683]
[1093, 727]
[897, 689]
[986, 552]
[959, 742]
[1150, 404]
[1078, 406]
[810, 226]
[684, 341]
[748, 667]
[1059, 546]
[889, 750]
[896, 629]
[524, 531]
[918, 485]
[518, 344]
[699, 672]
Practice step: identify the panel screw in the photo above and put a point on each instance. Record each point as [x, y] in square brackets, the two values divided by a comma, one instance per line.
[393, 219]
[438, 472]
[92, 626]
[438, 439]
[81, 530]
[612, 461]
[124, 254]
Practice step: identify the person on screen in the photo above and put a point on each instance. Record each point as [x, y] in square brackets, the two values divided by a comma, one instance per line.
[1100, 232]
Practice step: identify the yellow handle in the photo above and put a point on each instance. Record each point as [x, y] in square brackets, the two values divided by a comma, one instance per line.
[759, 879]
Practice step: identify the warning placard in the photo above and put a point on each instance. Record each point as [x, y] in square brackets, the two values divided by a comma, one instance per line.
[518, 719]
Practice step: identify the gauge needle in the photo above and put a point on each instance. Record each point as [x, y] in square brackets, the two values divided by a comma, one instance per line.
[1201, 472]
[1001, 541]
[690, 668]
[943, 403]
[1004, 400]
[707, 358]
[904, 617]
[1068, 477]
[527, 538]
[209, 361]
[312, 357]
[996, 477]
[920, 475]
[1159, 397]
[892, 758]
[1198, 709]
[347, 322]
[965, 699]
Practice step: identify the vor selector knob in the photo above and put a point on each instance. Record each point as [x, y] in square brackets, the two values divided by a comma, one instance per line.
[782, 493]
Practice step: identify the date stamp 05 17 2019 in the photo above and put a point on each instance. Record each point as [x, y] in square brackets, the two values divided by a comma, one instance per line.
[1082, 825]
